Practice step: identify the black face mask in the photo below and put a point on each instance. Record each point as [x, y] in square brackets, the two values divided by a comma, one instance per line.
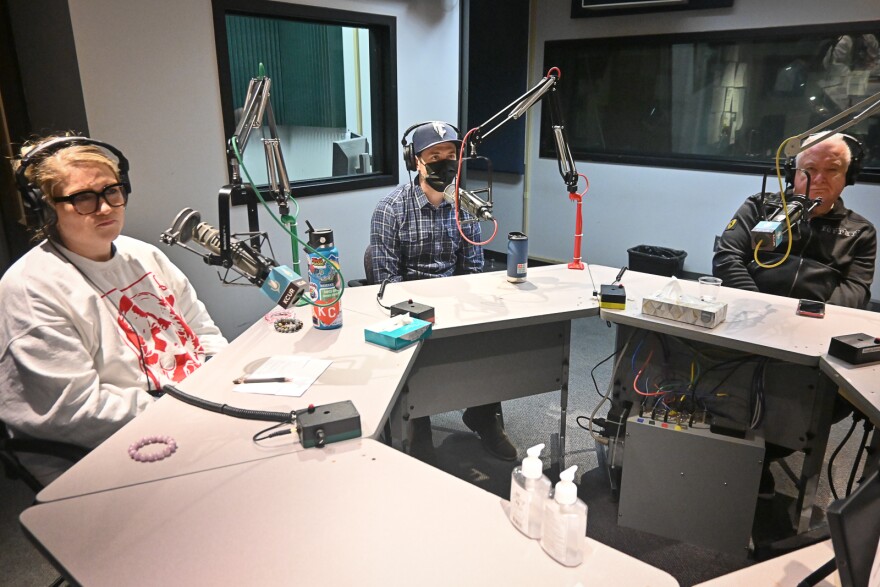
[441, 173]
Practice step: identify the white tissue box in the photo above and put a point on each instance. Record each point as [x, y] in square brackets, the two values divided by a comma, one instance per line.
[696, 312]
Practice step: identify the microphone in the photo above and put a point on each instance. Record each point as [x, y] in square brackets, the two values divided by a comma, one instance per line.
[182, 227]
[279, 282]
[254, 266]
[469, 201]
[773, 230]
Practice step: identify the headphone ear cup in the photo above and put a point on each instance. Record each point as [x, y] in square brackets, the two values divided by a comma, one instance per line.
[790, 170]
[409, 158]
[857, 156]
[36, 213]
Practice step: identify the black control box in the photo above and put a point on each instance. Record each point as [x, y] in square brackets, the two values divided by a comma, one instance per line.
[414, 309]
[612, 297]
[321, 425]
[857, 349]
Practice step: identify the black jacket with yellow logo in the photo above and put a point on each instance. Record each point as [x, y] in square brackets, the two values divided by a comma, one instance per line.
[832, 257]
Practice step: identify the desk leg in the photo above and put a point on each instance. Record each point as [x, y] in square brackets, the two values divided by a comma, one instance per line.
[397, 421]
[815, 454]
[559, 444]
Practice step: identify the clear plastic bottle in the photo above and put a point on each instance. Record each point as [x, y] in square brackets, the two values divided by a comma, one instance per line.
[529, 491]
[565, 522]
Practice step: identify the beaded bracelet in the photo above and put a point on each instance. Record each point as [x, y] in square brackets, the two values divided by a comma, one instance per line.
[134, 449]
[287, 325]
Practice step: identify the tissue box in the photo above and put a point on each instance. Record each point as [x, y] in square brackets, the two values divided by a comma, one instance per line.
[398, 332]
[696, 312]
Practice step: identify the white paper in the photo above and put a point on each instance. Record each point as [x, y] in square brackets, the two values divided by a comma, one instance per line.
[301, 372]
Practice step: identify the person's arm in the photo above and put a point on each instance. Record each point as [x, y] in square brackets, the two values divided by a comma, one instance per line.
[57, 392]
[385, 244]
[854, 289]
[735, 250]
[470, 256]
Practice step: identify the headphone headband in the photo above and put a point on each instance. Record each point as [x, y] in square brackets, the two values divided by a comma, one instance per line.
[52, 146]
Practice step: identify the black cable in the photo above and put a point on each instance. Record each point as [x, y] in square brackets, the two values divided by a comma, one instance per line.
[259, 435]
[227, 410]
[733, 365]
[596, 366]
[835, 453]
[867, 430]
[381, 293]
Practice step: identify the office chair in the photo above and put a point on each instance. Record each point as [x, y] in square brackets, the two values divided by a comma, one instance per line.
[368, 271]
[13, 469]
[11, 447]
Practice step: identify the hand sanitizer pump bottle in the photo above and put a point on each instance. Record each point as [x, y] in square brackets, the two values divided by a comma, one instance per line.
[565, 522]
[529, 490]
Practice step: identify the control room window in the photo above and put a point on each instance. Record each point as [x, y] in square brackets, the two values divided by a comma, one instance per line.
[721, 101]
[332, 91]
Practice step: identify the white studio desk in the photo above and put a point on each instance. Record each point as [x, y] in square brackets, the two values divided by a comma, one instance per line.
[222, 502]
[783, 571]
[860, 384]
[353, 513]
[369, 375]
[492, 340]
[767, 326]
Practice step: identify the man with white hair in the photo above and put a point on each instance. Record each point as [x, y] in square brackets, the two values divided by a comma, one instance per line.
[832, 254]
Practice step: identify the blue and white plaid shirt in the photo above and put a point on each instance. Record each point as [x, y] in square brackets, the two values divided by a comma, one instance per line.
[412, 239]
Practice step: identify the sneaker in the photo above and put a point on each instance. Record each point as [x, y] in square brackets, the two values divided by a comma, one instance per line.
[492, 435]
[767, 487]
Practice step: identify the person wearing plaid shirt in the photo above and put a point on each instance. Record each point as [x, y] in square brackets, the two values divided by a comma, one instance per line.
[414, 235]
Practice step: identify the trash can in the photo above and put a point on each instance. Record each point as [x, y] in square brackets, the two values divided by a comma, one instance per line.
[656, 260]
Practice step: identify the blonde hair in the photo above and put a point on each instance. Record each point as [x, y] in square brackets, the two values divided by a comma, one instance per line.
[51, 170]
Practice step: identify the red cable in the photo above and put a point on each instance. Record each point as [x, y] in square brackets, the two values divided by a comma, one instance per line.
[456, 206]
[636, 379]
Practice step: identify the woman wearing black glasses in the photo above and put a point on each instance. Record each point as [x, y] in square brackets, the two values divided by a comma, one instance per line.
[94, 323]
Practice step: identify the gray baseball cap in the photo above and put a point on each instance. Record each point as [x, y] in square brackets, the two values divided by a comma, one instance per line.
[434, 133]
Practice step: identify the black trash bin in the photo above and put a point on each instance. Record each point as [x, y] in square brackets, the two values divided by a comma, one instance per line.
[656, 260]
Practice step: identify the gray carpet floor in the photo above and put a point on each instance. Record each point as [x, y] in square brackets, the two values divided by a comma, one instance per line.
[529, 421]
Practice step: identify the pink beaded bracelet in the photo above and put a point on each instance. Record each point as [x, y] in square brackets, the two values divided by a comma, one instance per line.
[170, 447]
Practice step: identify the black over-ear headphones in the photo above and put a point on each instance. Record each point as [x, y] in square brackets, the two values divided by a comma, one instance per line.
[856, 158]
[32, 195]
[409, 157]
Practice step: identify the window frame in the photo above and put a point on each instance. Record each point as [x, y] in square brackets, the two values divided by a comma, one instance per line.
[383, 73]
[706, 162]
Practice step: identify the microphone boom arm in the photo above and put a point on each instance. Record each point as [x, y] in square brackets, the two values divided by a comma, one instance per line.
[863, 109]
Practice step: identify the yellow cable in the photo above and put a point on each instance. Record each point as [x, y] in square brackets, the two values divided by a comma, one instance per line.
[784, 208]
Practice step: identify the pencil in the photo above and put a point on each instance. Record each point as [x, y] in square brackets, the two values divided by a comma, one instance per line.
[261, 380]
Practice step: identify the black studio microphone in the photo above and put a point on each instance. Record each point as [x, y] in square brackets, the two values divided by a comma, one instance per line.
[280, 283]
[469, 201]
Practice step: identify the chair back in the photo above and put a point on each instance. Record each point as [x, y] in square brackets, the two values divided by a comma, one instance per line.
[11, 447]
